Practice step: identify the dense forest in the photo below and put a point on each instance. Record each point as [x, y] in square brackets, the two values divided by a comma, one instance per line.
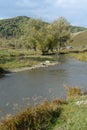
[28, 33]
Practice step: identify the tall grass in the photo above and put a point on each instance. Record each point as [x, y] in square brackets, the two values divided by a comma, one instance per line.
[65, 114]
[41, 117]
[80, 56]
[73, 92]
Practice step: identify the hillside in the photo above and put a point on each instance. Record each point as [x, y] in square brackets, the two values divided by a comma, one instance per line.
[80, 40]
[16, 32]
[13, 27]
[75, 29]
[17, 26]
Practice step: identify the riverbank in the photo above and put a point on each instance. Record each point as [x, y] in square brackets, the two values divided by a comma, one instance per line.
[3, 72]
[74, 115]
[21, 60]
[40, 65]
[79, 56]
[67, 114]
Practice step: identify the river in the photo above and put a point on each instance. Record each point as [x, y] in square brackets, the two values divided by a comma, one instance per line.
[17, 90]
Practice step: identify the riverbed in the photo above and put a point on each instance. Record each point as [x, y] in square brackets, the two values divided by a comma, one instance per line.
[21, 89]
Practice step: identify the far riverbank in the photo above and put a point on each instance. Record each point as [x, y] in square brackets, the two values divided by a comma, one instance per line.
[40, 65]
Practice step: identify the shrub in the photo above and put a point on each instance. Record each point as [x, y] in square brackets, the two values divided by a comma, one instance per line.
[73, 92]
[38, 118]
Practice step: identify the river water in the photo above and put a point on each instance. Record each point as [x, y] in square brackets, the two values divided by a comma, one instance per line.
[20, 89]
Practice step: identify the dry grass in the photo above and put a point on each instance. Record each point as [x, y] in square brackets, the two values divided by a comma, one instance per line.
[41, 117]
[52, 115]
[80, 40]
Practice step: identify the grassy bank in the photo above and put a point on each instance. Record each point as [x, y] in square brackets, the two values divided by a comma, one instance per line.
[69, 114]
[80, 56]
[74, 116]
[13, 59]
[41, 117]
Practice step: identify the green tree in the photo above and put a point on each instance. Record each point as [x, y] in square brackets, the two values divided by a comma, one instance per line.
[34, 33]
[61, 32]
[42, 42]
[50, 36]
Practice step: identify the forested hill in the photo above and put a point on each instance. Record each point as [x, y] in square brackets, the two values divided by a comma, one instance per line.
[15, 27]
[75, 29]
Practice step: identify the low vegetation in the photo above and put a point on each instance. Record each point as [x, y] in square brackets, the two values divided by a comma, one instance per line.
[74, 116]
[69, 114]
[80, 56]
[41, 117]
[14, 59]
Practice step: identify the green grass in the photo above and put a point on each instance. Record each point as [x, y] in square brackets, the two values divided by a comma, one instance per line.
[41, 117]
[12, 59]
[52, 115]
[73, 117]
[80, 56]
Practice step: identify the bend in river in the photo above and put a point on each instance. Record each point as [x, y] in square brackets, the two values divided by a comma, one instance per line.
[24, 87]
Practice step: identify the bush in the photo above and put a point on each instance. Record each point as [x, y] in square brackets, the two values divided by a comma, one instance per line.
[38, 118]
[72, 92]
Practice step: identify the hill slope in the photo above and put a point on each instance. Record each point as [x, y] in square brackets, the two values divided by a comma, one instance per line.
[13, 27]
[80, 40]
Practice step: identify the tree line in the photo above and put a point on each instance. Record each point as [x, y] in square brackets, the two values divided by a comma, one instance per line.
[27, 33]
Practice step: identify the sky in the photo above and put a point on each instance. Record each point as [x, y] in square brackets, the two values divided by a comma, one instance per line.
[75, 11]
